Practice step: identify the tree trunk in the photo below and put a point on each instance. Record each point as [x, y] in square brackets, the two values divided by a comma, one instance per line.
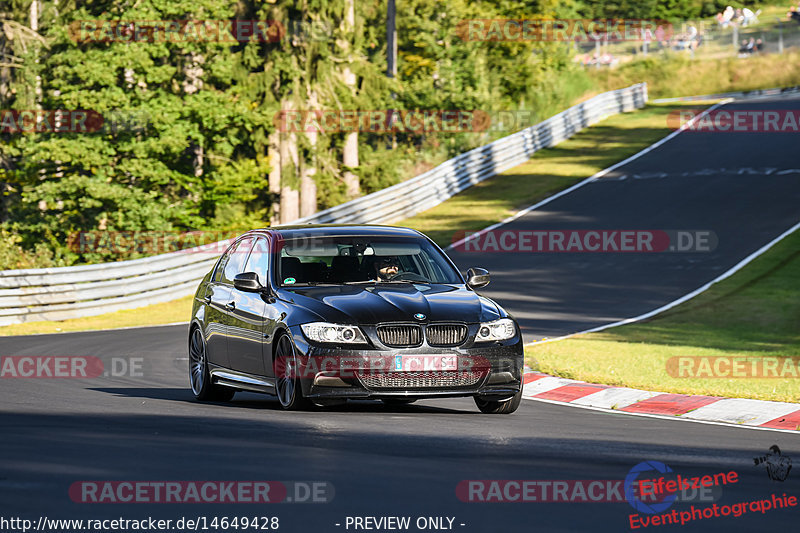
[308, 193]
[193, 82]
[308, 187]
[350, 150]
[290, 196]
[34, 23]
[290, 201]
[274, 152]
[350, 160]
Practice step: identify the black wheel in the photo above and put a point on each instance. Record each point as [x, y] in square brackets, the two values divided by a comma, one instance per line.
[287, 386]
[396, 402]
[502, 407]
[199, 378]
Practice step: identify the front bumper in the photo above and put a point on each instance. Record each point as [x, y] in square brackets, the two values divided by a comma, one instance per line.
[491, 370]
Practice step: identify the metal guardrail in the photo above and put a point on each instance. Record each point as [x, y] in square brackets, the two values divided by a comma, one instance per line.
[87, 290]
[741, 95]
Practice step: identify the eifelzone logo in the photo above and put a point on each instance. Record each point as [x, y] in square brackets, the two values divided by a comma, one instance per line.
[635, 499]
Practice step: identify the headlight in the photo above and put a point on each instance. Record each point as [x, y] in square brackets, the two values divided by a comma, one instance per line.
[333, 333]
[499, 330]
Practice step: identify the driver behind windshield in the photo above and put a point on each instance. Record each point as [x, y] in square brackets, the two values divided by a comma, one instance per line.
[386, 268]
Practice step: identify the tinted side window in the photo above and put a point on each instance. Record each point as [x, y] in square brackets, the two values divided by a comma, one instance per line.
[221, 266]
[259, 260]
[237, 259]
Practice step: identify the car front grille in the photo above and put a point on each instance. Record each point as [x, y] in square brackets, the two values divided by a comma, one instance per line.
[420, 380]
[446, 334]
[405, 335]
[399, 336]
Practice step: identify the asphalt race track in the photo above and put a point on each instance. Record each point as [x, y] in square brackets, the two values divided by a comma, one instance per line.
[142, 424]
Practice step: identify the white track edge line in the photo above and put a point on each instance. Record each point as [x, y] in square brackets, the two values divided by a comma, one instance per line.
[663, 417]
[590, 179]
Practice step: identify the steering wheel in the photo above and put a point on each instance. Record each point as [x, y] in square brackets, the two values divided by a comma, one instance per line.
[408, 276]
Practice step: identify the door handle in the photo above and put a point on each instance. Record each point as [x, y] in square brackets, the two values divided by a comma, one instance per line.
[230, 306]
[207, 299]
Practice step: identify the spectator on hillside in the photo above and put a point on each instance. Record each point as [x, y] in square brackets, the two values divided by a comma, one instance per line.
[661, 36]
[793, 14]
[759, 46]
[747, 48]
[697, 42]
[743, 48]
[748, 17]
[727, 16]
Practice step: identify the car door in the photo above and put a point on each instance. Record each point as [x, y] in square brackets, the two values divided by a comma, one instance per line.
[248, 316]
[217, 297]
[221, 302]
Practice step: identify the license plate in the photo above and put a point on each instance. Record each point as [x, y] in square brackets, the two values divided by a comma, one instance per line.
[423, 363]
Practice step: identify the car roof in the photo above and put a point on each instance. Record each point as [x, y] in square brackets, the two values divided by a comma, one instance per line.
[338, 230]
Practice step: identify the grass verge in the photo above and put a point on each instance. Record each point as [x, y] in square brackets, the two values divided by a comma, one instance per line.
[752, 314]
[151, 315]
[671, 76]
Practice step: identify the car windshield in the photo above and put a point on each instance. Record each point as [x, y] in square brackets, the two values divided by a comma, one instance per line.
[344, 260]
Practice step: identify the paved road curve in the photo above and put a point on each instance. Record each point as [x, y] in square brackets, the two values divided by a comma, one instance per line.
[409, 461]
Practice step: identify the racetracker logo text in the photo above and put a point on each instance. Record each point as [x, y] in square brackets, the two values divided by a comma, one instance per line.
[735, 120]
[564, 30]
[727, 367]
[573, 491]
[176, 31]
[201, 492]
[382, 121]
[69, 367]
[50, 121]
[597, 241]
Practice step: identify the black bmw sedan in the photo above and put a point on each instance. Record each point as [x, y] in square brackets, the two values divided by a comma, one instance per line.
[323, 314]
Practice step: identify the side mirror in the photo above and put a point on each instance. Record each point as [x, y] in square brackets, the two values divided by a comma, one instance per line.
[247, 282]
[477, 278]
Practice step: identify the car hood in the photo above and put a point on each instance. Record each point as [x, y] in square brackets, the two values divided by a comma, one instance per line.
[395, 302]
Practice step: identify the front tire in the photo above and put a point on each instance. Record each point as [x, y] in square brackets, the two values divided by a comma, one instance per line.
[199, 377]
[287, 384]
[502, 407]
